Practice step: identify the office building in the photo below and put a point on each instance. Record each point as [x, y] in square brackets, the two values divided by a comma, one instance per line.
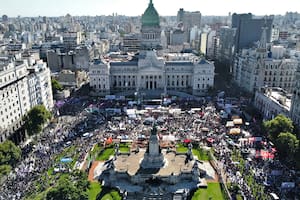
[249, 29]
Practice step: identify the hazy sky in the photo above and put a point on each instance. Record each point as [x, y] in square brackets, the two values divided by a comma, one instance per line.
[24, 8]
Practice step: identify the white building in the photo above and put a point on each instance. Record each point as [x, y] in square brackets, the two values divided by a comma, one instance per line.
[212, 44]
[150, 71]
[255, 68]
[39, 85]
[99, 77]
[14, 96]
[21, 88]
[272, 102]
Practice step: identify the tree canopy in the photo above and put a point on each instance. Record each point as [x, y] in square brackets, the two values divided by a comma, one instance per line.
[56, 86]
[280, 124]
[35, 119]
[287, 145]
[10, 154]
[75, 189]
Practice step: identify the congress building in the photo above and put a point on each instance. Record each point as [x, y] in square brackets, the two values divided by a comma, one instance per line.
[150, 71]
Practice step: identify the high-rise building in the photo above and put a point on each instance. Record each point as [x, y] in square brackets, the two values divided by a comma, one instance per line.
[189, 20]
[212, 45]
[249, 29]
[71, 40]
[226, 44]
[203, 43]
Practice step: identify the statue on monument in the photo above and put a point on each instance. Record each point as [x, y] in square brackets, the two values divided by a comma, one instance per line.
[154, 129]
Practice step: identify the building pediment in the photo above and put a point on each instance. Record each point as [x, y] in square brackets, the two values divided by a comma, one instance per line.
[154, 69]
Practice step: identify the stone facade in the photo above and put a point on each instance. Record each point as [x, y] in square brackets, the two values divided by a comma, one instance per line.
[22, 86]
[149, 72]
[295, 109]
[254, 68]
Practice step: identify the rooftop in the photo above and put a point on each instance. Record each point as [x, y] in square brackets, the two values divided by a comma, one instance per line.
[150, 16]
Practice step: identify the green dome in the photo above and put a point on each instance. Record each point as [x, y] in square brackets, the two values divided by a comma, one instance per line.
[150, 16]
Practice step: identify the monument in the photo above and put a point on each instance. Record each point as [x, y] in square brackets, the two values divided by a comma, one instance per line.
[153, 158]
[152, 173]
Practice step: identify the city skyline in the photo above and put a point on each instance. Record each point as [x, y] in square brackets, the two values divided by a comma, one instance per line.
[33, 8]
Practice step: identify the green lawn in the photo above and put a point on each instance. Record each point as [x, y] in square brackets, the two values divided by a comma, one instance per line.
[113, 195]
[201, 154]
[94, 190]
[106, 153]
[109, 151]
[213, 191]
[67, 152]
[124, 147]
[180, 148]
[96, 150]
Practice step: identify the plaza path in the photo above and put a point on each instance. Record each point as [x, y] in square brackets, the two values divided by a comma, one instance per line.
[91, 171]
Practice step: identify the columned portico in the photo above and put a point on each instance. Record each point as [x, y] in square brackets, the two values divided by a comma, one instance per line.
[151, 82]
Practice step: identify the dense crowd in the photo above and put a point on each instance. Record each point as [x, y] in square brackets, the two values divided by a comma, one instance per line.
[92, 116]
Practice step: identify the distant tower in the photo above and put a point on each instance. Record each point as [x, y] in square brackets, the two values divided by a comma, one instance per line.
[151, 31]
[262, 45]
[263, 39]
[4, 18]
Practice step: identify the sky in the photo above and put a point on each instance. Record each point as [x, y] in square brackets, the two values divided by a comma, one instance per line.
[33, 8]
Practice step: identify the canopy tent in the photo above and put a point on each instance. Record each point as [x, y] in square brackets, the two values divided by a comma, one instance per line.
[168, 137]
[229, 124]
[131, 113]
[109, 140]
[210, 140]
[187, 141]
[234, 131]
[238, 121]
[255, 139]
[264, 154]
[204, 129]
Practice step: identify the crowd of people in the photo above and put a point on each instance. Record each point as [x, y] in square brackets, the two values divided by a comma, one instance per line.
[94, 121]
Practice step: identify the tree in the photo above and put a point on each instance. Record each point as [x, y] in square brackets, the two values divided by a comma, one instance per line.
[280, 124]
[66, 190]
[56, 86]
[4, 170]
[35, 119]
[287, 146]
[10, 154]
[82, 181]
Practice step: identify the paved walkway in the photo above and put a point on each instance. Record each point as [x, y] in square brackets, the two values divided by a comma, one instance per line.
[91, 172]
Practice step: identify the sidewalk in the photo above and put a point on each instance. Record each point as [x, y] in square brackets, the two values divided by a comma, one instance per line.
[91, 171]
